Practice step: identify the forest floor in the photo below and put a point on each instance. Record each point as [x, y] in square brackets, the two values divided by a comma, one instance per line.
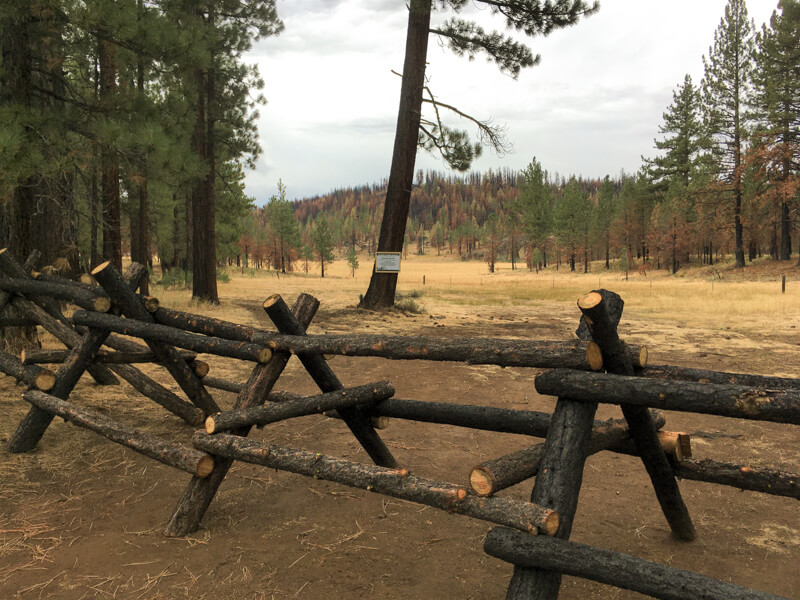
[81, 517]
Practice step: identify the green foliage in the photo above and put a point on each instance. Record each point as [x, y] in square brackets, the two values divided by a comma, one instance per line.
[352, 261]
[284, 229]
[323, 242]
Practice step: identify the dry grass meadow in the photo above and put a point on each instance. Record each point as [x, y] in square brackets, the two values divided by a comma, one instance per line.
[82, 518]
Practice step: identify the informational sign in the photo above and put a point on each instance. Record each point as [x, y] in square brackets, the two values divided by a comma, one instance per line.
[387, 262]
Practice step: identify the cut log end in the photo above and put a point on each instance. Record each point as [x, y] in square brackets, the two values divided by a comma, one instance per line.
[380, 422]
[481, 481]
[200, 368]
[101, 267]
[101, 305]
[151, 303]
[595, 356]
[210, 426]
[264, 356]
[642, 357]
[590, 300]
[677, 445]
[205, 466]
[86, 278]
[274, 299]
[551, 522]
[45, 380]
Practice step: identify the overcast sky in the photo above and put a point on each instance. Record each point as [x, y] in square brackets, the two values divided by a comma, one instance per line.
[592, 107]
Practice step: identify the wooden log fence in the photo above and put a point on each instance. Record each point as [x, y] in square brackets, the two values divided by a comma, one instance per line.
[570, 433]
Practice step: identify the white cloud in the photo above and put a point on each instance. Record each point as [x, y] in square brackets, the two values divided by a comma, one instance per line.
[592, 107]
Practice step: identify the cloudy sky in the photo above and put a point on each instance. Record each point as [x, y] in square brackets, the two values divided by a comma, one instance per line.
[592, 107]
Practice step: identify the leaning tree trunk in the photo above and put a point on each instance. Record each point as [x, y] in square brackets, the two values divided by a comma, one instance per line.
[380, 293]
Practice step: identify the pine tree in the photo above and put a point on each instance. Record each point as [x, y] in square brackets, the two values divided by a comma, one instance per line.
[284, 228]
[465, 38]
[604, 215]
[726, 85]
[323, 242]
[572, 218]
[777, 104]
[536, 209]
[683, 138]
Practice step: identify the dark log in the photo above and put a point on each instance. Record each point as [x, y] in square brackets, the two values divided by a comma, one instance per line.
[206, 325]
[17, 322]
[557, 486]
[132, 307]
[223, 384]
[473, 351]
[10, 267]
[397, 483]
[263, 415]
[168, 452]
[199, 493]
[612, 568]
[357, 421]
[161, 335]
[470, 350]
[92, 287]
[36, 421]
[486, 418]
[64, 333]
[160, 395]
[27, 267]
[779, 406]
[90, 300]
[669, 372]
[500, 473]
[33, 375]
[755, 479]
[641, 426]
[34, 357]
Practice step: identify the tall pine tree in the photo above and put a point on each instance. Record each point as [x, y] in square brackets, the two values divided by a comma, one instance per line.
[726, 85]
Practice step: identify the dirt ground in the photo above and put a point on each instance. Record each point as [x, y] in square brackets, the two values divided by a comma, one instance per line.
[82, 518]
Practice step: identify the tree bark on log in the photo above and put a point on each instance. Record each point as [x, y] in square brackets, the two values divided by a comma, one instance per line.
[357, 421]
[17, 322]
[557, 486]
[397, 483]
[755, 479]
[612, 568]
[36, 357]
[223, 384]
[200, 492]
[265, 414]
[470, 350]
[643, 431]
[500, 473]
[89, 300]
[150, 388]
[168, 452]
[161, 336]
[33, 375]
[36, 421]
[133, 308]
[206, 325]
[779, 406]
[486, 418]
[668, 372]
[473, 351]
[64, 333]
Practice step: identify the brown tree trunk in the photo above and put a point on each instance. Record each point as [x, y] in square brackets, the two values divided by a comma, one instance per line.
[204, 249]
[380, 293]
[109, 180]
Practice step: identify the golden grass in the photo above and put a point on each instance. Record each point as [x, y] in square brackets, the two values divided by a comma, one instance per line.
[711, 297]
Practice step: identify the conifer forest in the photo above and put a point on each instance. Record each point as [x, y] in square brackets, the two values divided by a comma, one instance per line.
[126, 128]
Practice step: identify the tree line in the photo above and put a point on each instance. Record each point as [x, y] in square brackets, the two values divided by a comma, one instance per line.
[127, 127]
